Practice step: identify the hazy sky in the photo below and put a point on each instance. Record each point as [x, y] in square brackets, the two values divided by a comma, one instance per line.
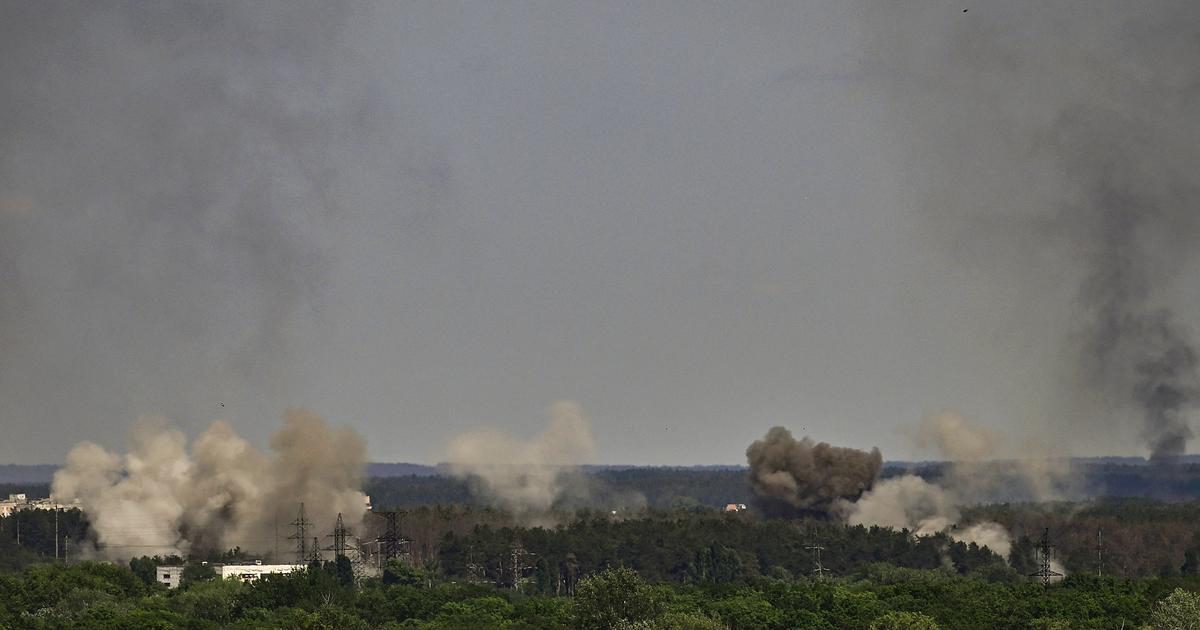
[696, 220]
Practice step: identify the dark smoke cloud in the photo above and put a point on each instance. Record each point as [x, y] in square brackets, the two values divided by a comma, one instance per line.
[1137, 223]
[1063, 145]
[790, 476]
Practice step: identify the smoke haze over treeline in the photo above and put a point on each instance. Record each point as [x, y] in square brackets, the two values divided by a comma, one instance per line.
[1054, 149]
[698, 222]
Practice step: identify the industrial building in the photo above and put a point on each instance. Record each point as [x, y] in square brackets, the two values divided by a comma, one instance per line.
[18, 502]
[172, 575]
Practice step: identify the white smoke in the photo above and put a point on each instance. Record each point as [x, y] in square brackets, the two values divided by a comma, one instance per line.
[526, 476]
[909, 502]
[159, 498]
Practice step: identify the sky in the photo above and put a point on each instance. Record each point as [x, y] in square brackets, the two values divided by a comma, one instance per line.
[696, 220]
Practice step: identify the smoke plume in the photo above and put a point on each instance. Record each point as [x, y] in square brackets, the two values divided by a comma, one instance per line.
[527, 476]
[973, 469]
[793, 477]
[161, 498]
[907, 502]
[924, 508]
[1065, 152]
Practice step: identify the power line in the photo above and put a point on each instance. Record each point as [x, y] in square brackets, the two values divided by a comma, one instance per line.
[393, 544]
[1044, 551]
[819, 569]
[301, 525]
[339, 538]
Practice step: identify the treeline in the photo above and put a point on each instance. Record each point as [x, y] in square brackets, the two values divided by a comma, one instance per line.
[655, 488]
[1136, 537]
[326, 596]
[727, 549]
[28, 537]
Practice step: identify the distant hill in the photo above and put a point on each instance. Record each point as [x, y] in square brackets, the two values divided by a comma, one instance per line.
[21, 473]
[383, 469]
[44, 473]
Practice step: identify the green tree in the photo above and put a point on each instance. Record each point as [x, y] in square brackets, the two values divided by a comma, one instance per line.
[748, 609]
[614, 596]
[1178, 611]
[212, 600]
[193, 573]
[903, 620]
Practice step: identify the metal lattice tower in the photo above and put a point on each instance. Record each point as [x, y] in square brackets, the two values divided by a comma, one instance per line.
[1044, 551]
[1099, 552]
[301, 525]
[392, 544]
[339, 538]
[315, 554]
[819, 569]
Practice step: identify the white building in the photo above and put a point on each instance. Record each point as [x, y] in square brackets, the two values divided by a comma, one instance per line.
[18, 502]
[172, 575]
[251, 572]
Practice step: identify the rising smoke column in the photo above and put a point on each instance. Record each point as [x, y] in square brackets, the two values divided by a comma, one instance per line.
[1065, 144]
[1136, 219]
[527, 476]
[161, 498]
[790, 476]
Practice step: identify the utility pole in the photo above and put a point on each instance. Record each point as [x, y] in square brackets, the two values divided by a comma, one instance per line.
[819, 569]
[518, 556]
[301, 525]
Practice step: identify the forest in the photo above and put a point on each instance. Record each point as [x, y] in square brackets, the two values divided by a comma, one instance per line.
[674, 561]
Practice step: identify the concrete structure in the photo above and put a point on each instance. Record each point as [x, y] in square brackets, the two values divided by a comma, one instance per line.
[172, 575]
[251, 572]
[18, 502]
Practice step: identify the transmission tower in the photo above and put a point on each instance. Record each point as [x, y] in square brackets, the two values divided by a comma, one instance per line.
[1044, 551]
[301, 525]
[392, 544]
[1099, 552]
[315, 554]
[819, 569]
[339, 538]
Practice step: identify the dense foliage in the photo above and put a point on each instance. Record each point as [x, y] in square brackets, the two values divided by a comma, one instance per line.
[697, 549]
[97, 595]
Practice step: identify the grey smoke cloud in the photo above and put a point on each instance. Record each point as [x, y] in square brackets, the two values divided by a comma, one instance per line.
[1059, 147]
[420, 216]
[162, 497]
[790, 476]
[529, 476]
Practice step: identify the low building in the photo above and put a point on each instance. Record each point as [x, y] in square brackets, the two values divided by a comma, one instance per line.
[251, 572]
[735, 507]
[172, 575]
[18, 502]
